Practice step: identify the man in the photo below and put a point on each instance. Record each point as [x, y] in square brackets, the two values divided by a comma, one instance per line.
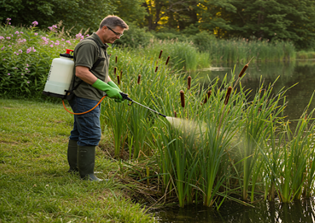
[91, 63]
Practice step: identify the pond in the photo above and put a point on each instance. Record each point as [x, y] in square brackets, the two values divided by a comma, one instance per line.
[301, 73]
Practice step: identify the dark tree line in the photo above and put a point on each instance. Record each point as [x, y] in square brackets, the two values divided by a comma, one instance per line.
[292, 20]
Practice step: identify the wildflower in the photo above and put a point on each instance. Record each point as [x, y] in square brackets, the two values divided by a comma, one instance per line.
[20, 51]
[28, 82]
[8, 19]
[24, 40]
[50, 28]
[35, 34]
[17, 32]
[9, 74]
[27, 65]
[51, 45]
[8, 37]
[1, 37]
[35, 23]
[28, 50]
[26, 68]
[57, 43]
[21, 32]
[87, 35]
[62, 39]
[79, 36]
[22, 74]
[9, 45]
[68, 41]
[2, 48]
[4, 59]
[54, 26]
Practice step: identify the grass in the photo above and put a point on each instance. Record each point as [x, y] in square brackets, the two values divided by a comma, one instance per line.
[35, 185]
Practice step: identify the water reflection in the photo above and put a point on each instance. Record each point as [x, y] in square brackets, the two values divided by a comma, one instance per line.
[264, 212]
[301, 72]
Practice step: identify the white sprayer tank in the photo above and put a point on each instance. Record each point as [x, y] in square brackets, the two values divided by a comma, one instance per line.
[60, 76]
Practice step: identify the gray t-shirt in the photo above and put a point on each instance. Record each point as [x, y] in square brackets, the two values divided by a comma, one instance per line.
[86, 53]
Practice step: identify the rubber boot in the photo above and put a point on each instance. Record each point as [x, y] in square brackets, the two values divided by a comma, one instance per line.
[86, 162]
[72, 156]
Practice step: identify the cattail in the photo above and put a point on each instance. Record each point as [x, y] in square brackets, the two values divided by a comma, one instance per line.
[168, 59]
[115, 69]
[156, 68]
[207, 97]
[175, 114]
[243, 70]
[116, 59]
[189, 82]
[121, 75]
[182, 98]
[160, 54]
[227, 96]
[139, 78]
[118, 79]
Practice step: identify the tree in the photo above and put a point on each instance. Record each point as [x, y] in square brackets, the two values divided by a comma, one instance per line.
[274, 20]
[79, 14]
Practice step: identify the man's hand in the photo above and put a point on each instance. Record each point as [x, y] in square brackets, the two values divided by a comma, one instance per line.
[110, 91]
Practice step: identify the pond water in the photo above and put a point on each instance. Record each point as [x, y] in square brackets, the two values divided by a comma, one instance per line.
[298, 97]
[301, 72]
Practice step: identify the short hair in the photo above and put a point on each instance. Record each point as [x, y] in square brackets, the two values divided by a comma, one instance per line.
[112, 21]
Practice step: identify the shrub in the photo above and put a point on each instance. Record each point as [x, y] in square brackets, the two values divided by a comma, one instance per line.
[135, 37]
[203, 40]
[26, 55]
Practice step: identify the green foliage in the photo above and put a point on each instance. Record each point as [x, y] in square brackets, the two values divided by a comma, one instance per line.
[76, 14]
[26, 58]
[203, 40]
[135, 37]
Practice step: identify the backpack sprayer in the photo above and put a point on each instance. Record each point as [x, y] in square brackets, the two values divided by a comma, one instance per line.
[59, 81]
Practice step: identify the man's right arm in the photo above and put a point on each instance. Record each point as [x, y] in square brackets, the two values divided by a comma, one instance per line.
[84, 74]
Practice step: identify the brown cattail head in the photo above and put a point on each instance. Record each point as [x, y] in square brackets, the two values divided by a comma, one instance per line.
[121, 75]
[175, 114]
[139, 78]
[243, 70]
[227, 96]
[116, 59]
[207, 97]
[156, 68]
[168, 59]
[118, 79]
[188, 82]
[160, 54]
[182, 98]
[115, 70]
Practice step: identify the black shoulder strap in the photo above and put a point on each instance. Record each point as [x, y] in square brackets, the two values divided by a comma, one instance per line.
[93, 67]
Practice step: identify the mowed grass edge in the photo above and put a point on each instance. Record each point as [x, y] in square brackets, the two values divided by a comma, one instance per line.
[34, 183]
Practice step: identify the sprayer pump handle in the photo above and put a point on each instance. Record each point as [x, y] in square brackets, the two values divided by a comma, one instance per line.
[125, 96]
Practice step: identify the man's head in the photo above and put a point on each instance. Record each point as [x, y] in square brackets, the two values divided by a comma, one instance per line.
[111, 28]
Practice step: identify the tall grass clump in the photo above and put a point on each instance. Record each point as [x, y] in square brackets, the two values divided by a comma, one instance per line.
[242, 50]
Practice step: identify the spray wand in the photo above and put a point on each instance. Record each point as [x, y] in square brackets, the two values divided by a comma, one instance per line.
[125, 96]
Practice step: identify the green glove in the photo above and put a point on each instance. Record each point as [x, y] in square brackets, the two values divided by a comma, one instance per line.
[112, 84]
[110, 91]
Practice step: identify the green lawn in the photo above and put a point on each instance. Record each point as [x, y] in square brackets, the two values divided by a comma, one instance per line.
[34, 183]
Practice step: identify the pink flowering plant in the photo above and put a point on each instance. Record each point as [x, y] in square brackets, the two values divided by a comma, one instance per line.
[26, 56]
